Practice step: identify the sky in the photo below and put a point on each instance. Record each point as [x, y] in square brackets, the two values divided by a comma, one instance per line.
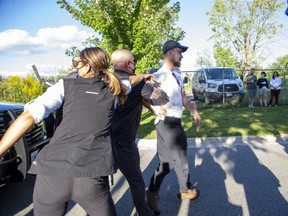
[38, 32]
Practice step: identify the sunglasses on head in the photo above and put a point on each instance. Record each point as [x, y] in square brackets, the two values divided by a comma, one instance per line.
[75, 62]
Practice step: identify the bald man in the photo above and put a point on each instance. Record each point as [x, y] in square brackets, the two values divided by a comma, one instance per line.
[126, 121]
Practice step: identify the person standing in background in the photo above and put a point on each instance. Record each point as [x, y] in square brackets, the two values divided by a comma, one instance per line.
[251, 81]
[263, 89]
[275, 88]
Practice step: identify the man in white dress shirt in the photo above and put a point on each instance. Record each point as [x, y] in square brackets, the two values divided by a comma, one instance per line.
[171, 138]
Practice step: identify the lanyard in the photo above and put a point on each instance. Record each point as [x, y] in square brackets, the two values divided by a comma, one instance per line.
[179, 84]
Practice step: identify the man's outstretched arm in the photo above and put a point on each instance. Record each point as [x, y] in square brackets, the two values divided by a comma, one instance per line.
[191, 106]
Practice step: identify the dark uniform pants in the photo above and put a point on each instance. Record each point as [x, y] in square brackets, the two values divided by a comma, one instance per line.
[129, 165]
[172, 153]
[51, 195]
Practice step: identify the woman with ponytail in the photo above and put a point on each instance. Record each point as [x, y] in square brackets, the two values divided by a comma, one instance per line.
[75, 165]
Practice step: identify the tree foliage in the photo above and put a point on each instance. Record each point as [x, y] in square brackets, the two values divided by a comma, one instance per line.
[225, 58]
[280, 63]
[19, 89]
[15, 85]
[32, 88]
[246, 26]
[141, 26]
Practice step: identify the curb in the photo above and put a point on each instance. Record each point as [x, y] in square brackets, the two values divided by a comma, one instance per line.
[205, 142]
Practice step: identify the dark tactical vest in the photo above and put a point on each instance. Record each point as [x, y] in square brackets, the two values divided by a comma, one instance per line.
[81, 145]
[127, 116]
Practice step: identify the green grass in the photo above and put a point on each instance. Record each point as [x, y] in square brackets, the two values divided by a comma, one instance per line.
[232, 120]
[228, 121]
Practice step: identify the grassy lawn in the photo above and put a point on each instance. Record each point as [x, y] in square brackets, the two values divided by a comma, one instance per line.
[237, 120]
[228, 121]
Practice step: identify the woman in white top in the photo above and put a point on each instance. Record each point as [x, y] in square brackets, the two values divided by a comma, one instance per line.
[275, 88]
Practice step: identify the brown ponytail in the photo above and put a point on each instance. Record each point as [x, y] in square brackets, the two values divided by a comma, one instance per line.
[114, 85]
[99, 61]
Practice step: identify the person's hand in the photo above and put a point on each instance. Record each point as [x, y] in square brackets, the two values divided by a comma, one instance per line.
[197, 119]
[156, 84]
[148, 77]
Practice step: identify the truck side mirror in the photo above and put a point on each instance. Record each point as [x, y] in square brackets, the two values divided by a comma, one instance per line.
[241, 77]
[185, 80]
[201, 80]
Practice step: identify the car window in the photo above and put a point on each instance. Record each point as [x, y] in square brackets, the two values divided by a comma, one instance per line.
[220, 73]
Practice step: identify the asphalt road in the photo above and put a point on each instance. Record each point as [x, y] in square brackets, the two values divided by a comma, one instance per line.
[235, 176]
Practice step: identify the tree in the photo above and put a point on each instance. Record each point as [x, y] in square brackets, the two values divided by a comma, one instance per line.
[280, 63]
[14, 86]
[19, 89]
[204, 59]
[246, 26]
[31, 88]
[141, 26]
[224, 57]
[3, 90]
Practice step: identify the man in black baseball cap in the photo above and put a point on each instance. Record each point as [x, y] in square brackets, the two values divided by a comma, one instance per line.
[171, 44]
[171, 137]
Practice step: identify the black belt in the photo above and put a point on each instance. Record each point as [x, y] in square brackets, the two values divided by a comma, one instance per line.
[172, 120]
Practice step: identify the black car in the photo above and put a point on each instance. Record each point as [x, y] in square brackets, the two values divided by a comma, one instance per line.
[18, 159]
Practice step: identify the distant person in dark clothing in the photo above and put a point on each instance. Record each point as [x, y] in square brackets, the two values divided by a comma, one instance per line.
[125, 124]
[263, 89]
[275, 88]
[251, 81]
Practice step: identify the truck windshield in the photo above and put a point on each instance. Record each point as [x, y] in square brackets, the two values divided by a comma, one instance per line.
[220, 73]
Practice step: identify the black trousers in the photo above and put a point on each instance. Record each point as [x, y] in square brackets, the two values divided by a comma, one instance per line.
[172, 153]
[129, 165]
[274, 93]
[51, 195]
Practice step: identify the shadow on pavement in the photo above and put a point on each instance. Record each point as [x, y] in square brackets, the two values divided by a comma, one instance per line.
[260, 185]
